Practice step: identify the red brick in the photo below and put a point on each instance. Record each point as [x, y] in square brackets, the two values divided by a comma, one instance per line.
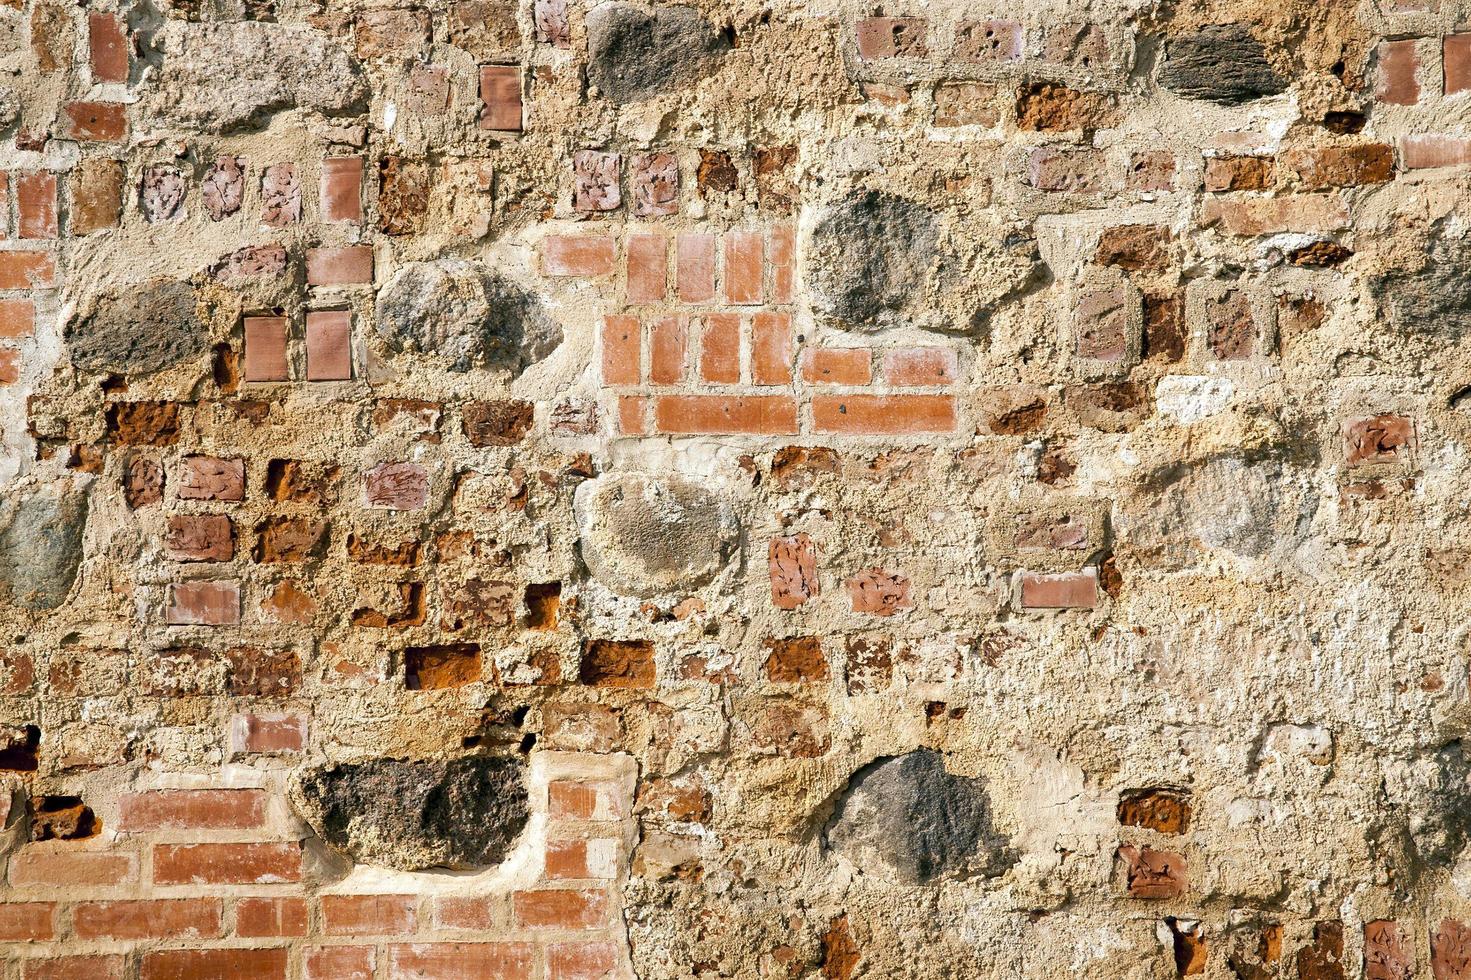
[1457, 59]
[695, 267]
[579, 255]
[716, 414]
[478, 913]
[280, 196]
[1426, 152]
[1450, 950]
[633, 415]
[622, 350]
[226, 864]
[570, 909]
[582, 961]
[1301, 213]
[192, 809]
[347, 266]
[668, 340]
[270, 917]
[1399, 65]
[170, 918]
[17, 318]
[460, 961]
[9, 366]
[744, 267]
[891, 37]
[107, 43]
[97, 122]
[919, 366]
[35, 202]
[369, 915]
[75, 967]
[265, 348]
[648, 268]
[988, 40]
[211, 478]
[792, 565]
[341, 189]
[24, 922]
[837, 365]
[571, 801]
[500, 95]
[397, 486]
[268, 734]
[1378, 439]
[27, 270]
[200, 537]
[214, 964]
[720, 348]
[37, 867]
[883, 414]
[566, 859]
[783, 257]
[328, 345]
[203, 604]
[1155, 874]
[1070, 590]
[771, 349]
[340, 963]
[1342, 166]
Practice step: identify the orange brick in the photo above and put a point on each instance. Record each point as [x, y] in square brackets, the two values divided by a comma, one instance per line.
[771, 348]
[460, 961]
[500, 96]
[783, 257]
[35, 202]
[24, 922]
[918, 366]
[192, 809]
[717, 414]
[582, 961]
[1399, 66]
[622, 350]
[1071, 590]
[561, 909]
[648, 268]
[368, 915]
[457, 912]
[226, 864]
[17, 318]
[695, 267]
[667, 348]
[720, 348]
[170, 918]
[837, 365]
[578, 255]
[27, 270]
[214, 964]
[39, 867]
[567, 859]
[571, 801]
[270, 917]
[633, 415]
[883, 414]
[73, 967]
[99, 122]
[9, 366]
[340, 963]
[744, 267]
[351, 265]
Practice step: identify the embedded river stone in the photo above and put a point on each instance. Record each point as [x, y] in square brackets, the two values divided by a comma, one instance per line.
[906, 819]
[467, 315]
[138, 329]
[412, 815]
[1220, 63]
[644, 536]
[41, 547]
[871, 255]
[637, 53]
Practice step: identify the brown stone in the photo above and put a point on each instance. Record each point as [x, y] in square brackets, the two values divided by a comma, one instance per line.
[1135, 248]
[1154, 874]
[617, 663]
[1323, 960]
[498, 423]
[798, 660]
[1052, 107]
[1164, 811]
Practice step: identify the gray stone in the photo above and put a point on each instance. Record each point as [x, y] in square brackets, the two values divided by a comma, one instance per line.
[138, 329]
[467, 314]
[635, 53]
[905, 819]
[1220, 63]
[222, 77]
[417, 814]
[645, 536]
[41, 547]
[9, 107]
[871, 255]
[1432, 300]
[1434, 795]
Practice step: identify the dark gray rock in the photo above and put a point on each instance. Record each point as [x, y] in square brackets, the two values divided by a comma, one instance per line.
[1439, 818]
[41, 547]
[905, 819]
[413, 815]
[870, 255]
[1220, 63]
[138, 329]
[644, 536]
[635, 53]
[1433, 299]
[467, 314]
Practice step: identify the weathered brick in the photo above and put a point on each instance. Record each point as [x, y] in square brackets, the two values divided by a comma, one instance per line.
[340, 963]
[35, 204]
[695, 267]
[200, 537]
[892, 37]
[1398, 72]
[25, 922]
[199, 964]
[346, 266]
[560, 909]
[103, 967]
[837, 365]
[192, 809]
[648, 268]
[157, 919]
[714, 414]
[883, 414]
[259, 918]
[579, 255]
[341, 189]
[369, 915]
[720, 348]
[226, 864]
[265, 348]
[451, 961]
[500, 97]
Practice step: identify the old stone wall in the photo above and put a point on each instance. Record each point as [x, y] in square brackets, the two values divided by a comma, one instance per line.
[588, 489]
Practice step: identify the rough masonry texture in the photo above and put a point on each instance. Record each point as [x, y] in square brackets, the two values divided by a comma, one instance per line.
[773, 489]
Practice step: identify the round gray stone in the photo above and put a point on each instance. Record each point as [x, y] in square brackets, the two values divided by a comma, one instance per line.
[139, 329]
[41, 547]
[871, 255]
[635, 53]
